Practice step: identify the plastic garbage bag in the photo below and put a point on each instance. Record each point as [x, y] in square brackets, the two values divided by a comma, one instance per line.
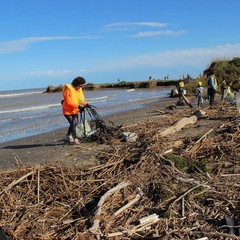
[230, 95]
[84, 129]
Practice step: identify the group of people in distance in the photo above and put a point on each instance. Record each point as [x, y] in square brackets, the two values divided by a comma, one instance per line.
[211, 91]
[73, 100]
[212, 86]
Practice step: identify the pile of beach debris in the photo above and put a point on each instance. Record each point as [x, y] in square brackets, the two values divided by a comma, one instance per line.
[175, 182]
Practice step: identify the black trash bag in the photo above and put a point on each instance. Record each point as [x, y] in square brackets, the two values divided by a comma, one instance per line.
[98, 125]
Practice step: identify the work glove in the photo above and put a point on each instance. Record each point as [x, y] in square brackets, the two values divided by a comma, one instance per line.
[87, 105]
[81, 108]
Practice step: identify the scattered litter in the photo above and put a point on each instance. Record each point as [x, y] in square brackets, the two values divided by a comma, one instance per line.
[129, 137]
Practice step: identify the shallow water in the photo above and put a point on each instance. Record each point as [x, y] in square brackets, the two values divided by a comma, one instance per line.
[30, 112]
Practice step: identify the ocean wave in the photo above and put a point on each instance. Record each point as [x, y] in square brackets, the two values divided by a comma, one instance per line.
[143, 99]
[10, 95]
[5, 120]
[96, 101]
[98, 98]
[20, 118]
[31, 117]
[35, 108]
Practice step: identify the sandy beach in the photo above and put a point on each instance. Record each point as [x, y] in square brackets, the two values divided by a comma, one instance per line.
[50, 147]
[183, 173]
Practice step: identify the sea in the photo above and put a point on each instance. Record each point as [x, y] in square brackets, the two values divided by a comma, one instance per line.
[30, 112]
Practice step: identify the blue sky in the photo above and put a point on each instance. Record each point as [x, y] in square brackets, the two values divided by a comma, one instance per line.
[49, 42]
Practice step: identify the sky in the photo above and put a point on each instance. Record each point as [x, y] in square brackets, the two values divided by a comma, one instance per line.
[50, 42]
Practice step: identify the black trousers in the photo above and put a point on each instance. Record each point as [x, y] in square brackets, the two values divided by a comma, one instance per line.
[73, 121]
[211, 94]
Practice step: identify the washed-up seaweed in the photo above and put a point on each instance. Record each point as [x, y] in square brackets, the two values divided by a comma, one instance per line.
[173, 187]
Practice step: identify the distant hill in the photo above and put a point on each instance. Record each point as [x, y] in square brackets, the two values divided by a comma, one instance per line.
[226, 69]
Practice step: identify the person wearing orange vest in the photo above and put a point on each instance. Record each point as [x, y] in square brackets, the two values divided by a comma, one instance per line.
[73, 98]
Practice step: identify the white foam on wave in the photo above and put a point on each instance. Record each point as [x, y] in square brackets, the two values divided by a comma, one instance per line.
[36, 108]
[98, 98]
[94, 101]
[6, 120]
[143, 99]
[20, 118]
[8, 95]
[30, 117]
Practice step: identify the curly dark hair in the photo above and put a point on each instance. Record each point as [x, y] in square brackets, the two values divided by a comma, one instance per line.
[78, 81]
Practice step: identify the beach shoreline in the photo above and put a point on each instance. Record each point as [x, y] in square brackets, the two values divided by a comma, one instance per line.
[50, 147]
[27, 113]
[200, 152]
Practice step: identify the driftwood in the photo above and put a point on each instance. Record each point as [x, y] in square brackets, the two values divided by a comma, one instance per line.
[186, 100]
[217, 234]
[191, 183]
[15, 182]
[143, 226]
[95, 227]
[182, 123]
[129, 204]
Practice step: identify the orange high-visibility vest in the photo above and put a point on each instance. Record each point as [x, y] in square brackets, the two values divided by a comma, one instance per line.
[72, 99]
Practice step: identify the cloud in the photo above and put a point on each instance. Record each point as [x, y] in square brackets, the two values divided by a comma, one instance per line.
[134, 26]
[44, 74]
[157, 33]
[22, 44]
[124, 26]
[51, 73]
[174, 58]
[194, 57]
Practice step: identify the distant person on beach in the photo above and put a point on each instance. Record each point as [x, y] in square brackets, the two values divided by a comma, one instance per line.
[180, 86]
[224, 87]
[73, 98]
[188, 78]
[212, 88]
[199, 94]
[181, 89]
[180, 92]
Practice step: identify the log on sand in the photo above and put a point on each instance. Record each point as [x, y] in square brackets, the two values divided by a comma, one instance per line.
[186, 100]
[182, 123]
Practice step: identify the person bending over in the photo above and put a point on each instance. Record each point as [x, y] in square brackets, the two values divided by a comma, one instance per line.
[73, 97]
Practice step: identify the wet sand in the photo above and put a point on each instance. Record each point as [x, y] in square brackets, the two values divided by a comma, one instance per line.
[51, 147]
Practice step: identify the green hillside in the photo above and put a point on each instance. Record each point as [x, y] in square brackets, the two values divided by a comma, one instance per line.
[229, 70]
